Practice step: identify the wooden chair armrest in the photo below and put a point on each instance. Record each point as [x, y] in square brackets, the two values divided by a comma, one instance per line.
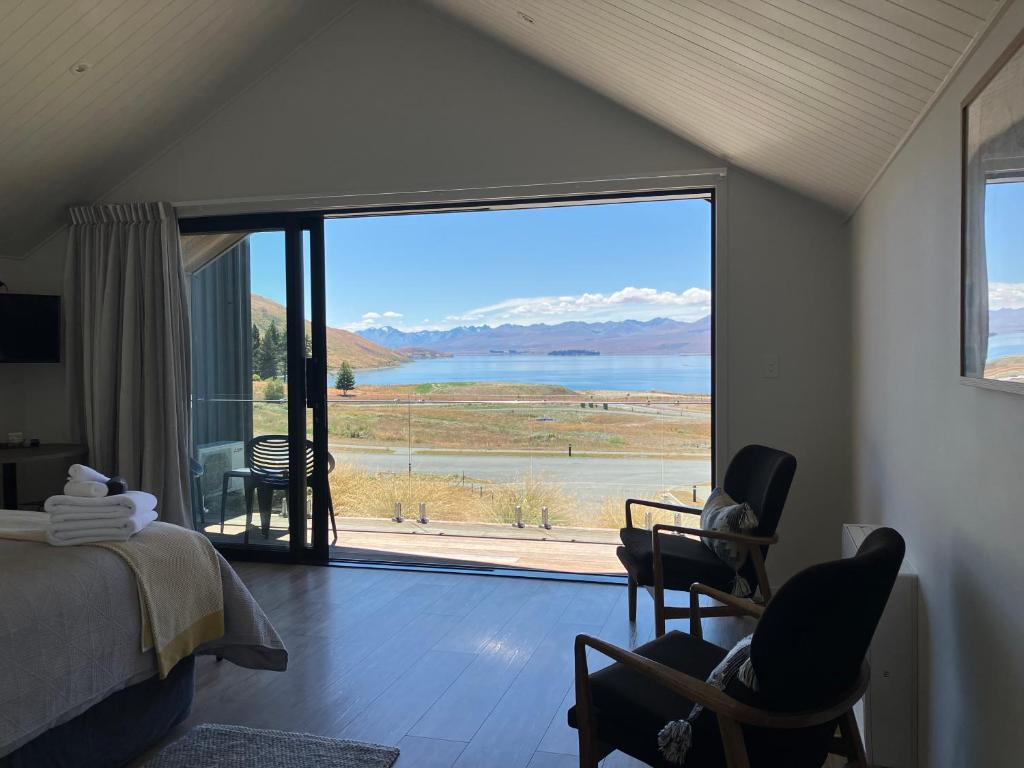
[753, 545]
[655, 505]
[741, 604]
[700, 692]
[739, 538]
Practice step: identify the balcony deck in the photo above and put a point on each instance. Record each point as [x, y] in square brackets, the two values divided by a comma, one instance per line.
[566, 550]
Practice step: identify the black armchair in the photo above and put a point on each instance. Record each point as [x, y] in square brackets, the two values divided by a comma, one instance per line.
[653, 559]
[807, 653]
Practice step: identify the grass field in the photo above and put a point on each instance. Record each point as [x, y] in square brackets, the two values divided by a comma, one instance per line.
[495, 417]
[515, 417]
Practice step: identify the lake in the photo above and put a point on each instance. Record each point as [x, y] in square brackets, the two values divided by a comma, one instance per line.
[637, 373]
[1004, 345]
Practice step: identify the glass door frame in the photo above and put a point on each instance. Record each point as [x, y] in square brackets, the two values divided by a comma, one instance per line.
[316, 366]
[304, 394]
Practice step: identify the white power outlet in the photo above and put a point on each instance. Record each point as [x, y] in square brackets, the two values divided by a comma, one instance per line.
[770, 366]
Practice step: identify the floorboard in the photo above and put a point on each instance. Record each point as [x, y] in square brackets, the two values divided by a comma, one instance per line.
[460, 671]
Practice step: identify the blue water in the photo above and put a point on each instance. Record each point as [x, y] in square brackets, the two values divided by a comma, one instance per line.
[637, 373]
[1004, 345]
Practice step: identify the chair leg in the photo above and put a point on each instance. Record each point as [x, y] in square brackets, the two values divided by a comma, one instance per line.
[632, 587]
[852, 741]
[223, 501]
[588, 756]
[250, 488]
[659, 613]
[334, 523]
[265, 495]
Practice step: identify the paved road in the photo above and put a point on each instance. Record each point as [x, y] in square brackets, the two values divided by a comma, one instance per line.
[591, 479]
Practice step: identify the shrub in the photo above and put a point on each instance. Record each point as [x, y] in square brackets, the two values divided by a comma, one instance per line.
[274, 390]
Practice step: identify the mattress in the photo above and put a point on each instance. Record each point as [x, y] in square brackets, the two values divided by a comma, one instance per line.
[70, 634]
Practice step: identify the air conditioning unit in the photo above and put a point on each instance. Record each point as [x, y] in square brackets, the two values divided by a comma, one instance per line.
[887, 715]
[216, 459]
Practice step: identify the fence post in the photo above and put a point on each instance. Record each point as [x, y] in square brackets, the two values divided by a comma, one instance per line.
[647, 520]
[519, 518]
[423, 513]
[545, 519]
[398, 512]
[678, 519]
[694, 492]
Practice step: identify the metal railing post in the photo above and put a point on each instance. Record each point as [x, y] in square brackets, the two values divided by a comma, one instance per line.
[398, 512]
[519, 518]
[545, 519]
[423, 513]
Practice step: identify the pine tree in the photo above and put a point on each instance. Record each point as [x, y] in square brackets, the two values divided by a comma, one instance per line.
[346, 380]
[255, 349]
[271, 348]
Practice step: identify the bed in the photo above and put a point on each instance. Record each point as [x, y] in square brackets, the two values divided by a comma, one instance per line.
[75, 687]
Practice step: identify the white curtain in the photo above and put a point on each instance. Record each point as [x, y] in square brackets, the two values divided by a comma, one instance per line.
[128, 348]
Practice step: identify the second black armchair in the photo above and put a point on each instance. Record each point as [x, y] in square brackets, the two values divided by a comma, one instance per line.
[659, 560]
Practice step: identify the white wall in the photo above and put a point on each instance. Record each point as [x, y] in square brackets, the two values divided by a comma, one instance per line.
[941, 461]
[397, 98]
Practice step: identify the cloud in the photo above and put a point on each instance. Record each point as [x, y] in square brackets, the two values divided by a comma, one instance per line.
[371, 319]
[1005, 295]
[627, 303]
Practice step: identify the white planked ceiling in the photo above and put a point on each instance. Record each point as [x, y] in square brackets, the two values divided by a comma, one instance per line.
[816, 94]
[156, 68]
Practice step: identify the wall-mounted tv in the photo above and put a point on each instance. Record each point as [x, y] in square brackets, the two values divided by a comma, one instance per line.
[29, 328]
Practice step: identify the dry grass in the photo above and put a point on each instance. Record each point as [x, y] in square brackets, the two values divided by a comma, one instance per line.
[358, 493]
[669, 430]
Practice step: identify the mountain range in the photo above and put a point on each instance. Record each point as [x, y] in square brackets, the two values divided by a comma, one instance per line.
[1006, 321]
[660, 336]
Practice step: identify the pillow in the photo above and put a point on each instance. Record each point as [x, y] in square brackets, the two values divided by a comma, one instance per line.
[722, 513]
[676, 738]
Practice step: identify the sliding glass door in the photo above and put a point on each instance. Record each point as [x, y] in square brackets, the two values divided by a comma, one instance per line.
[258, 341]
[484, 389]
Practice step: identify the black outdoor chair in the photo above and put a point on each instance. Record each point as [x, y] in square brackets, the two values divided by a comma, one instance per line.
[266, 458]
[758, 475]
[807, 654]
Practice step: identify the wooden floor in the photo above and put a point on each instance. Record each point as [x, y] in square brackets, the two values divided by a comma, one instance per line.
[457, 670]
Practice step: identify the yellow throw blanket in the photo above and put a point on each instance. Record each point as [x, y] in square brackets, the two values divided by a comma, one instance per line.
[181, 599]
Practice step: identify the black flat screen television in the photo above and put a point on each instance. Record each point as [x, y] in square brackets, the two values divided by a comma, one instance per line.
[29, 328]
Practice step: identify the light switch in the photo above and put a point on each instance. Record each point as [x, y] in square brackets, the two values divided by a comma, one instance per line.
[770, 366]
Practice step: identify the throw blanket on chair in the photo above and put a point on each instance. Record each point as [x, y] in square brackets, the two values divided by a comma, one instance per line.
[676, 738]
[181, 598]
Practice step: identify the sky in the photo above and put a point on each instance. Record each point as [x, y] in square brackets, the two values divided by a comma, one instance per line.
[590, 263]
[1004, 244]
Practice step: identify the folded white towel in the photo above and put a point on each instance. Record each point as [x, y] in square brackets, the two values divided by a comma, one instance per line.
[82, 472]
[72, 533]
[99, 515]
[129, 502]
[88, 489]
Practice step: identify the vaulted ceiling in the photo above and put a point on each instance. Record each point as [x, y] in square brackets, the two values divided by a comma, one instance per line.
[151, 71]
[815, 94]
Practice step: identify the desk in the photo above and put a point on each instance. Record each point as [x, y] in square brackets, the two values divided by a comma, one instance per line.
[10, 458]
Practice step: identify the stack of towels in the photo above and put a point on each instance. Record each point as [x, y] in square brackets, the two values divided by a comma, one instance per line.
[96, 508]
